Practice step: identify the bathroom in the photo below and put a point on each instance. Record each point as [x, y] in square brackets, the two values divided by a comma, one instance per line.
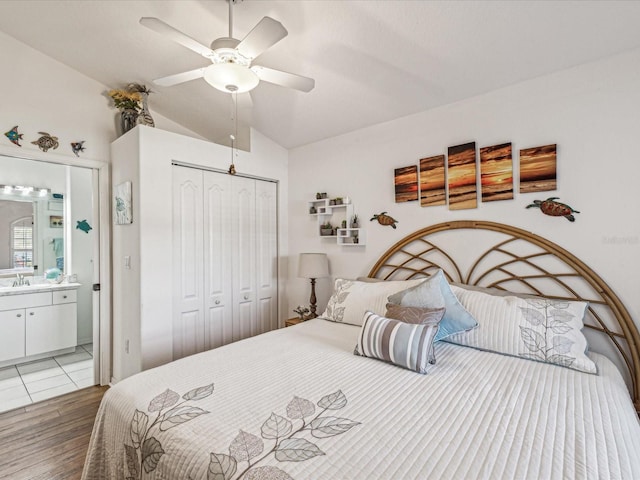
[48, 247]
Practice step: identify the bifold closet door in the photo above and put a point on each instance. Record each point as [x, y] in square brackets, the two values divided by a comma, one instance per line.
[267, 256]
[254, 257]
[224, 259]
[218, 253]
[188, 261]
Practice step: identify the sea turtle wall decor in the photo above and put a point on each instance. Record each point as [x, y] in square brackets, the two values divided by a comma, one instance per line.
[13, 136]
[384, 219]
[46, 141]
[83, 225]
[554, 209]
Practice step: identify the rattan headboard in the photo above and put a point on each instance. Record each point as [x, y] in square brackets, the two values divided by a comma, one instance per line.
[509, 258]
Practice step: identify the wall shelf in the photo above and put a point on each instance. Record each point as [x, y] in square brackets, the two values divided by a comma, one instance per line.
[324, 212]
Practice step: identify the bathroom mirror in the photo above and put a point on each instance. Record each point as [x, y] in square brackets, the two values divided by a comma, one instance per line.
[32, 212]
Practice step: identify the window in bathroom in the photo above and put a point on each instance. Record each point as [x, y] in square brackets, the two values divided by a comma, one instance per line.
[22, 242]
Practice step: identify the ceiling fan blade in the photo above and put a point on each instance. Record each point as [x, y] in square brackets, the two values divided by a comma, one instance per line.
[266, 33]
[289, 80]
[177, 36]
[180, 77]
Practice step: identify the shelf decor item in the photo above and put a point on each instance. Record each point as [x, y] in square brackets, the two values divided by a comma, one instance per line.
[355, 222]
[313, 266]
[144, 116]
[301, 311]
[326, 229]
[129, 104]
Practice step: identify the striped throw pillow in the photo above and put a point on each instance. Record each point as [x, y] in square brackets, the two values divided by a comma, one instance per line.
[403, 344]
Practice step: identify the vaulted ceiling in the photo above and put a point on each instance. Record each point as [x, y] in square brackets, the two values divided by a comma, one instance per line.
[373, 61]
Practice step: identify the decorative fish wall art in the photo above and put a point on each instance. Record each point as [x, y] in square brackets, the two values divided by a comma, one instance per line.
[14, 136]
[77, 147]
[46, 141]
[384, 219]
[554, 209]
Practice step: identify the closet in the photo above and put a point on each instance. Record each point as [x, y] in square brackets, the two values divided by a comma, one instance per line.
[225, 253]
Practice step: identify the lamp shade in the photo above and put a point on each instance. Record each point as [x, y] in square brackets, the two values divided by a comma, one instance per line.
[313, 265]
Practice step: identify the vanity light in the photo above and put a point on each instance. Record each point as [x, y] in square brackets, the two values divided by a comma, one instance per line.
[24, 190]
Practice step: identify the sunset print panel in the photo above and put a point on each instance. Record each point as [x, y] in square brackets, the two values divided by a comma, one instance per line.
[461, 175]
[496, 172]
[432, 180]
[406, 182]
[538, 169]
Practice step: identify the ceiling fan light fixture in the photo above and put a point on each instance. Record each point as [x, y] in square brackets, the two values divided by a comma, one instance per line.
[231, 78]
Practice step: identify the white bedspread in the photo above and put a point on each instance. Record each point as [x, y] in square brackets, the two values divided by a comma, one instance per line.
[296, 403]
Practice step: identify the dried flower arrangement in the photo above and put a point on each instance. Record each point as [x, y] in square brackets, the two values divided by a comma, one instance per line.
[125, 100]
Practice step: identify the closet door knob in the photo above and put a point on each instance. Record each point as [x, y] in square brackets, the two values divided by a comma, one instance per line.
[64, 296]
[246, 297]
[217, 302]
[19, 315]
[31, 313]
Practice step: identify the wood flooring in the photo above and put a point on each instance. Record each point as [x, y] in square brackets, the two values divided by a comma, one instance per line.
[48, 440]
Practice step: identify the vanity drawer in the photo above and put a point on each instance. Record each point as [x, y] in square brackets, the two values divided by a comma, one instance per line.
[65, 296]
[25, 300]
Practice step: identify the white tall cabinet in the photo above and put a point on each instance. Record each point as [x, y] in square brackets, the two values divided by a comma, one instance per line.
[224, 259]
[144, 267]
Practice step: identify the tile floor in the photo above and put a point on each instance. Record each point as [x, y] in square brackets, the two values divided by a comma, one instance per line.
[32, 382]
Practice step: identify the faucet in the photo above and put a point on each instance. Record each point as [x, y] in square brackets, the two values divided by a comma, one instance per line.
[20, 281]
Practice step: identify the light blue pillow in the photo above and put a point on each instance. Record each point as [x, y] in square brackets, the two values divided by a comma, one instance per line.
[436, 293]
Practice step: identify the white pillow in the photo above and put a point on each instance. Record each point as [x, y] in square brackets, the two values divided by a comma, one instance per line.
[352, 298]
[536, 328]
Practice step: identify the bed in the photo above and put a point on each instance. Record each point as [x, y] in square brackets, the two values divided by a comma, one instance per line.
[297, 403]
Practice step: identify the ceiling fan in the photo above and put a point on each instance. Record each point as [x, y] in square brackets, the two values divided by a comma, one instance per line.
[232, 69]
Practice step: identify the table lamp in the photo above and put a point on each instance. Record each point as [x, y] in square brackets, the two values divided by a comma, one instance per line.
[312, 266]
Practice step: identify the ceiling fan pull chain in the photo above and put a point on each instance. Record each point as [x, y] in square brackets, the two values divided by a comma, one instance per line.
[231, 2]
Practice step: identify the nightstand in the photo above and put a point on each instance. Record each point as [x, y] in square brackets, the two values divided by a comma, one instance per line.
[293, 321]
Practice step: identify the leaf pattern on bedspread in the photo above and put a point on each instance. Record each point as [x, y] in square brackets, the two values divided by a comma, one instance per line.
[285, 439]
[146, 451]
[543, 337]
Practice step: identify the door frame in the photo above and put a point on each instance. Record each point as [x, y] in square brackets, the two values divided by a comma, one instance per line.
[102, 324]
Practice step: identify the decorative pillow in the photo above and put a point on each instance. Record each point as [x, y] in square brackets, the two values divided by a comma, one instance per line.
[403, 344]
[416, 316]
[536, 328]
[351, 299]
[435, 292]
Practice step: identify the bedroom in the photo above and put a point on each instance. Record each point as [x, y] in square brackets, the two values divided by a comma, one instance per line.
[589, 110]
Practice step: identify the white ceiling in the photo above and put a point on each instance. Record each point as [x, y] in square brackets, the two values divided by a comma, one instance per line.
[373, 61]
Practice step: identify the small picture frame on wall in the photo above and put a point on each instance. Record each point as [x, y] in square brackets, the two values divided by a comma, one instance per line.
[55, 221]
[122, 214]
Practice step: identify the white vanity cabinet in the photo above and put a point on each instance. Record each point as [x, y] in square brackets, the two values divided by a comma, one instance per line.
[12, 334]
[37, 322]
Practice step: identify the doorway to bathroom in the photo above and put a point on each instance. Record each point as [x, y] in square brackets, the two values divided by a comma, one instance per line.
[54, 308]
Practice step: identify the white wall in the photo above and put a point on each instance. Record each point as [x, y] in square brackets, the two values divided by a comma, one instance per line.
[43, 95]
[143, 293]
[591, 112]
